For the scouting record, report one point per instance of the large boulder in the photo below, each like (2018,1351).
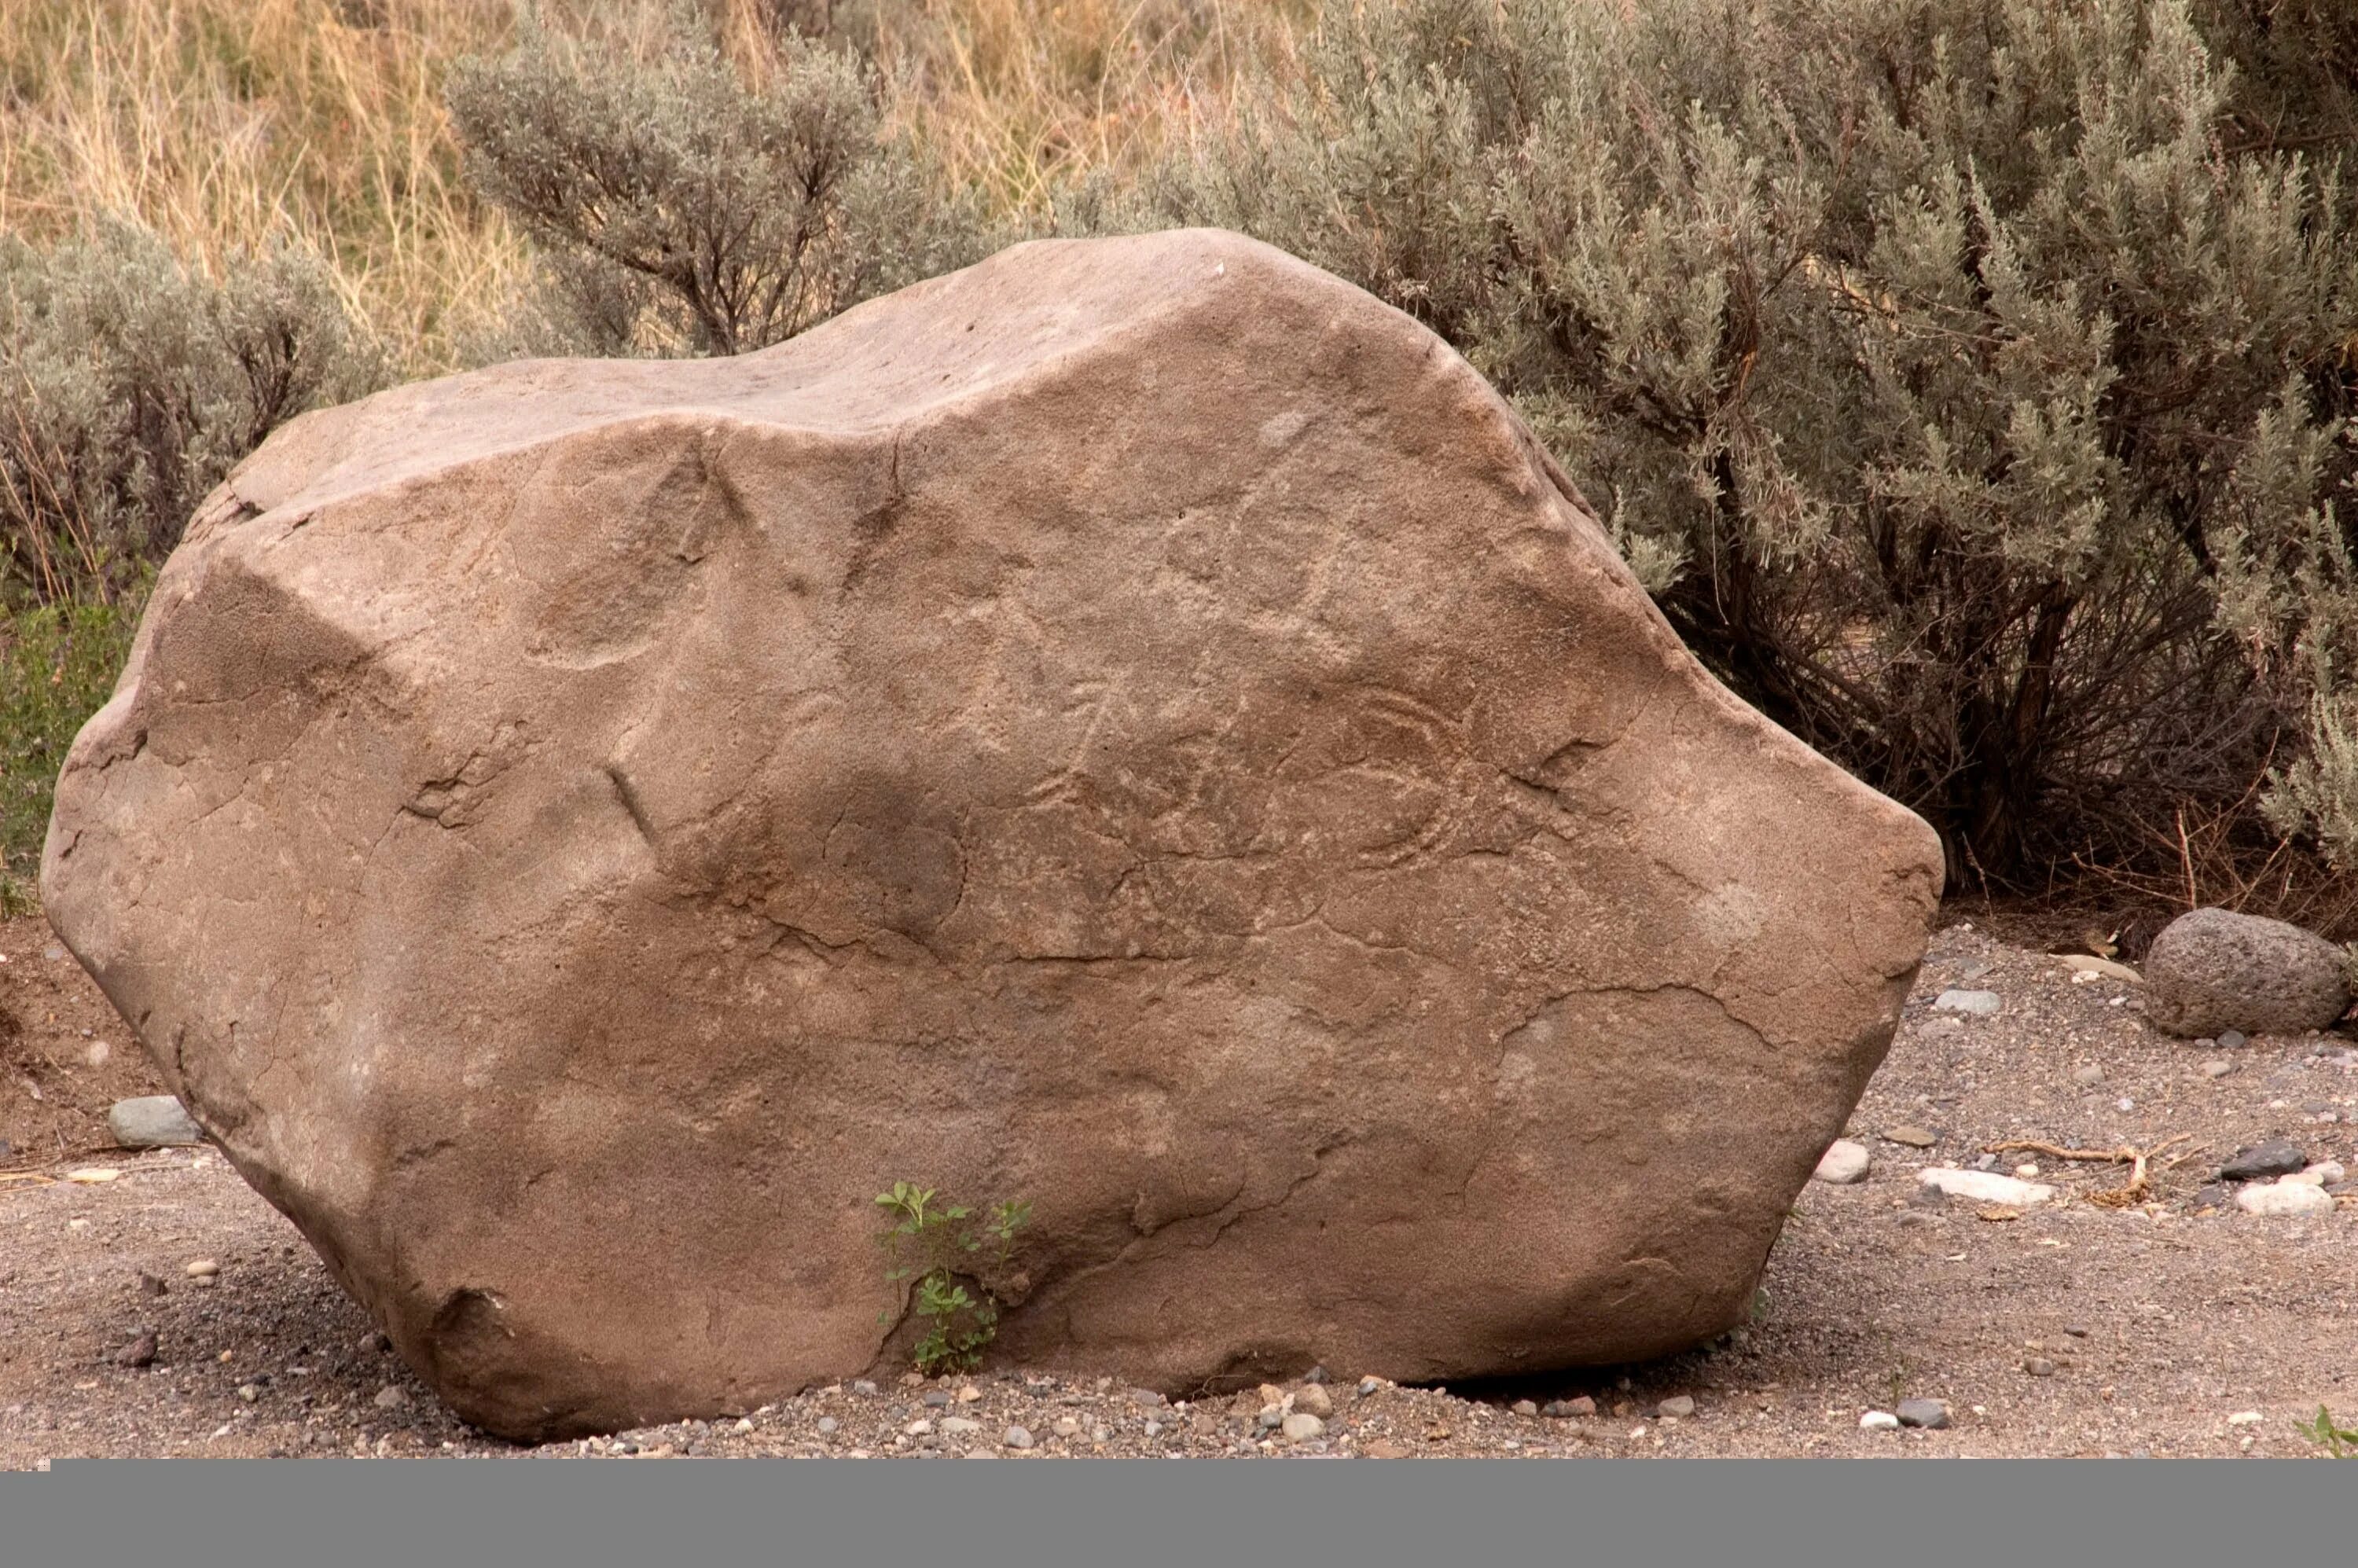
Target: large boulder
(2212,970)
(1134,726)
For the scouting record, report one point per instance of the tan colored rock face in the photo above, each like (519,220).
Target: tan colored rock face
(1131,726)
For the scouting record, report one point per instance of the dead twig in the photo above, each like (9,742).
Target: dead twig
(2139,1162)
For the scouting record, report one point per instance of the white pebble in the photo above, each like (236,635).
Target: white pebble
(1984,1187)
(1843,1164)
(2285,1197)
(1879,1420)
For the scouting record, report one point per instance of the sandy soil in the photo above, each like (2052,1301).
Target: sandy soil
(2163,1323)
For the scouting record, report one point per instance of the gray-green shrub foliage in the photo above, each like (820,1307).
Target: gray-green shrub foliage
(130,384)
(683,208)
(1968,400)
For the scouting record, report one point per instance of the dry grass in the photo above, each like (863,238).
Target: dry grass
(1015,95)
(221,124)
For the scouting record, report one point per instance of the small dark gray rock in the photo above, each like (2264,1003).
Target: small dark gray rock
(2277,1158)
(140,1352)
(2213,971)
(1923,1194)
(1933,1415)
(2229,1039)
(936,1399)
(2212,1195)
(1564,1409)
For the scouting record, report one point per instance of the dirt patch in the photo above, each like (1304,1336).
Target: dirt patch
(2067,1329)
(65,1054)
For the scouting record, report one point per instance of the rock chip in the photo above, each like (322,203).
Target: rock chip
(2280,1157)
(1981,1005)
(1843,1164)
(1567,1409)
(1933,1415)
(2090,1075)
(1525,1407)
(1023,693)
(1678,1407)
(1016,1437)
(2213,970)
(2084,964)
(2286,1195)
(1314,1399)
(140,1352)
(1911,1136)
(958,1425)
(152,1121)
(1986,1186)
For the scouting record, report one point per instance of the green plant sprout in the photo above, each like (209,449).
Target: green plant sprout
(927,1237)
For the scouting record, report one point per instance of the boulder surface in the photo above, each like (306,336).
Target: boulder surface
(2212,970)
(1134,727)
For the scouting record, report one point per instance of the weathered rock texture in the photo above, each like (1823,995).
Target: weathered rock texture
(1134,726)
(2214,969)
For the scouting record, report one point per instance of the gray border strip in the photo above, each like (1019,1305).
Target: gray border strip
(1295,1513)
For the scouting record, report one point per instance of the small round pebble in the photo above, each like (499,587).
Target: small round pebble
(1302,1427)
(1879,1420)
(1679,1407)
(827,1424)
(1016,1437)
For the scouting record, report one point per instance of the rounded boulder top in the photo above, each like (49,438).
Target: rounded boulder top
(1135,727)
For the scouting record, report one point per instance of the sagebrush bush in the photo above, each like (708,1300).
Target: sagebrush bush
(131,383)
(58,662)
(684,209)
(1970,400)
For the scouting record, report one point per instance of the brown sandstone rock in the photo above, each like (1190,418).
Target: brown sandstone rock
(1133,726)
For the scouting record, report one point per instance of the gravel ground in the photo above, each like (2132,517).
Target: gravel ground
(2176,1326)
